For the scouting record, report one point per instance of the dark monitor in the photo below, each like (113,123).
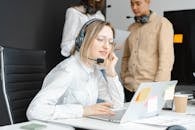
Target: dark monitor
(183,23)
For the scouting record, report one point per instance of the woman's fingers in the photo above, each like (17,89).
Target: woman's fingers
(107,104)
(105,108)
(98,109)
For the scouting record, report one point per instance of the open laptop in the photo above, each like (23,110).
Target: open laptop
(148,101)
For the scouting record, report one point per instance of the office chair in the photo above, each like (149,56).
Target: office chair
(22,74)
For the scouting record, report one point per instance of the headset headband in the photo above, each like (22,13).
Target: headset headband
(80,38)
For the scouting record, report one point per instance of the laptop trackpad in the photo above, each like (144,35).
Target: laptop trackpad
(112,118)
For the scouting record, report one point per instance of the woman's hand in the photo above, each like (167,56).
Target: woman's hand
(98,109)
(110,64)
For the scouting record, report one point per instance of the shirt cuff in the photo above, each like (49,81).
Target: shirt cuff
(115,78)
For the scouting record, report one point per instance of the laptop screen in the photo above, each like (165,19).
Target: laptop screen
(148,100)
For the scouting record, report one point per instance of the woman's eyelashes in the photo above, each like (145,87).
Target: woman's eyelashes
(104,40)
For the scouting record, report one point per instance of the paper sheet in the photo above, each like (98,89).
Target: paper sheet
(168,120)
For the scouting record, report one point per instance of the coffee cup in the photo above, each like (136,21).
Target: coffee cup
(180,103)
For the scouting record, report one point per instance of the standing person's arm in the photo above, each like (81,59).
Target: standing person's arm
(166,51)
(70,31)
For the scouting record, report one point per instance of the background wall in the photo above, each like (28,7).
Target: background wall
(160,6)
(183,23)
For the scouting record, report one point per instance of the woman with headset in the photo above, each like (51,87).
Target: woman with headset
(73,87)
(76,16)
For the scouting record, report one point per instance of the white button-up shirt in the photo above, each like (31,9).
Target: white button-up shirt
(74,22)
(69,87)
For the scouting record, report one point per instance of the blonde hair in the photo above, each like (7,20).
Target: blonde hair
(91,32)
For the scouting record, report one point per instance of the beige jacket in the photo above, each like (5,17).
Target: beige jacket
(148,52)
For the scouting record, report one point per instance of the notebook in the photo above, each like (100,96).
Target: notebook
(148,101)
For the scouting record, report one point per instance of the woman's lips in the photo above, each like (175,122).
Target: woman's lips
(103,53)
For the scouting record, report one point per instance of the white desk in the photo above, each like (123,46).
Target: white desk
(88,123)
(49,126)
(94,124)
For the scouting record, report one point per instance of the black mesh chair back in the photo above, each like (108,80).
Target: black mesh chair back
(22,74)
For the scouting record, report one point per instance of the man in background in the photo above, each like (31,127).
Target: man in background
(148,53)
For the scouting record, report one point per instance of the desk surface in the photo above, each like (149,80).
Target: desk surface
(186,119)
(48,126)
(88,123)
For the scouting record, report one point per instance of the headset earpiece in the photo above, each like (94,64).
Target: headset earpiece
(79,39)
(142,19)
(81,36)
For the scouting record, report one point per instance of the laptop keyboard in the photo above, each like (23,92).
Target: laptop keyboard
(113,118)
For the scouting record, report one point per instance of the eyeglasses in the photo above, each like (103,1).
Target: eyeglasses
(104,40)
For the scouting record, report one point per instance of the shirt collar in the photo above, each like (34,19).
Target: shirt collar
(152,16)
(87,69)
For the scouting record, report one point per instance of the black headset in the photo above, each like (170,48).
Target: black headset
(81,36)
(142,19)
